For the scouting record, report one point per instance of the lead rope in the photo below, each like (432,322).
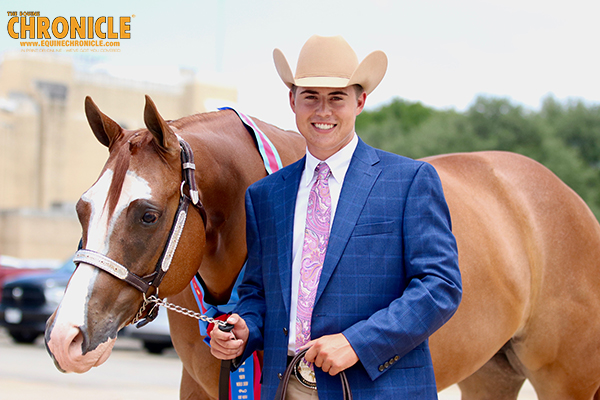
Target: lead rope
(174,307)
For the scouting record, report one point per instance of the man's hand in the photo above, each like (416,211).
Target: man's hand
(229,345)
(331,353)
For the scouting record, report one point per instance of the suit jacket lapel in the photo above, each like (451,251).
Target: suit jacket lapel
(284,200)
(360,178)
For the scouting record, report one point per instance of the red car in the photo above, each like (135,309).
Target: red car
(12,267)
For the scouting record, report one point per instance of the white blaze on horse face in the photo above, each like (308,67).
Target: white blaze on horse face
(72,311)
(99,227)
(99,232)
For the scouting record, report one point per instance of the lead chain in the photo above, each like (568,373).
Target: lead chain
(180,310)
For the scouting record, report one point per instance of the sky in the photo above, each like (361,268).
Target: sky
(441,53)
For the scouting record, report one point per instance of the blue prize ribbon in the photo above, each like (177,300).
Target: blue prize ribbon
(242,381)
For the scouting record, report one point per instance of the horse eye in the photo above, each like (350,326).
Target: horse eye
(150,218)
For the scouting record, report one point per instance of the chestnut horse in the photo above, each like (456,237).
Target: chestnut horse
(528,247)
(127,214)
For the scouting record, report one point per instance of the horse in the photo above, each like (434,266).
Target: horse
(521,233)
(126,216)
(529,249)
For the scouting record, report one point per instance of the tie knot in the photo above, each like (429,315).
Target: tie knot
(322,170)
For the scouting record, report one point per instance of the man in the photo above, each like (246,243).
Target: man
(353,257)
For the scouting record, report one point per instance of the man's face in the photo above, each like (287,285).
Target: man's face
(326,116)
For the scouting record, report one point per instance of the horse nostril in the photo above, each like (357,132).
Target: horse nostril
(81,342)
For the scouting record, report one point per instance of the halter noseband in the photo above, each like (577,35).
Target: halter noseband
(121,272)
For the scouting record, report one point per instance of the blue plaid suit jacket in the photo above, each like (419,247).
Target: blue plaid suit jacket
(390,276)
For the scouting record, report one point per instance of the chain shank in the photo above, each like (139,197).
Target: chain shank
(177,309)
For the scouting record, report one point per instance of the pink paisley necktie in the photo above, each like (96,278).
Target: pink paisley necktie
(316,237)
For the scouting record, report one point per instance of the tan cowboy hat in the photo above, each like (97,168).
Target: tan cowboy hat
(331,62)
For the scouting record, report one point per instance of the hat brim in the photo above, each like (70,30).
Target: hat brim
(368,74)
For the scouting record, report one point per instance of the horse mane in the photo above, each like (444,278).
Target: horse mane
(193,119)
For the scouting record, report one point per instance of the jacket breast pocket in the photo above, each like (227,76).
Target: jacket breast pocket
(377,228)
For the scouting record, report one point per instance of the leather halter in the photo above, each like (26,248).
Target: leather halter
(143,284)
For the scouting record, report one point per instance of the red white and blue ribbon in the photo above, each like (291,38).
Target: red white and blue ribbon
(244,383)
(212,311)
(267,150)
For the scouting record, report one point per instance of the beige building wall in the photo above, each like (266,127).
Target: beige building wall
(49,155)
(30,233)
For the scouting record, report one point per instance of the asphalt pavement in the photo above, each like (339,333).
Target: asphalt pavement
(28,373)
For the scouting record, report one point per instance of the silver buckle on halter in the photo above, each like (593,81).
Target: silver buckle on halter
(305,374)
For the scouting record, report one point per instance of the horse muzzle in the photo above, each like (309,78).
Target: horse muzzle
(69,347)
(72,344)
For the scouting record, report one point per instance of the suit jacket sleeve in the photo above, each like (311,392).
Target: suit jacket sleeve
(433,289)
(252,305)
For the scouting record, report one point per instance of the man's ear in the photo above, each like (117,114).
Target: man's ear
(292,101)
(361,101)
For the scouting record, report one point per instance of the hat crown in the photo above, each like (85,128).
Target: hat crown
(326,57)
(331,62)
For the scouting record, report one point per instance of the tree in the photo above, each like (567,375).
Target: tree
(563,137)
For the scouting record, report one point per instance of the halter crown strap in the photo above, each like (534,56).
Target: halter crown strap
(189,168)
(187,163)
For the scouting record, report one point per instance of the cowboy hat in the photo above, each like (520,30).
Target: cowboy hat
(331,62)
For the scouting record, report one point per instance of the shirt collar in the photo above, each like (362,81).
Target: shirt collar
(338,163)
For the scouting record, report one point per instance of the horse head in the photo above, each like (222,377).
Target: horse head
(127,218)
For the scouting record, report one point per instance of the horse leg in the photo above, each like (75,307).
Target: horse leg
(553,383)
(201,370)
(190,389)
(497,380)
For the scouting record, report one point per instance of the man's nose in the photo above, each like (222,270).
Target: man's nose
(323,108)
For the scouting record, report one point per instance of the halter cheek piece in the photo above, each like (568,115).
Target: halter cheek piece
(144,283)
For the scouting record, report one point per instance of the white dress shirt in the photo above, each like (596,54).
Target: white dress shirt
(338,164)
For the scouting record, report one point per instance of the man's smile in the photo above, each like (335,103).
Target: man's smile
(323,126)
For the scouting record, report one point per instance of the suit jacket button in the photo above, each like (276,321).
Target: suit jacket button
(387,364)
(381,368)
(285,331)
(396,358)
(280,376)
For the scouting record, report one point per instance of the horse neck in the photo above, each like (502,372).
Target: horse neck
(227,162)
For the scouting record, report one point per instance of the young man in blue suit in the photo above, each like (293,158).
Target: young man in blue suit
(350,249)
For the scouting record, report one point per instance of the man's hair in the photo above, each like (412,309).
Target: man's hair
(358,89)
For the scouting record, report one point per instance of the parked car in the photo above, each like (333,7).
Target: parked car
(12,267)
(28,301)
(154,335)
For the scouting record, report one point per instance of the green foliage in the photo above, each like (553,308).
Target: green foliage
(563,137)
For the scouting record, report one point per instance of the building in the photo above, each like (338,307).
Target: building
(48,154)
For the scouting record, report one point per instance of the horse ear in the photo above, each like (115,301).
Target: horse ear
(163,134)
(105,129)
